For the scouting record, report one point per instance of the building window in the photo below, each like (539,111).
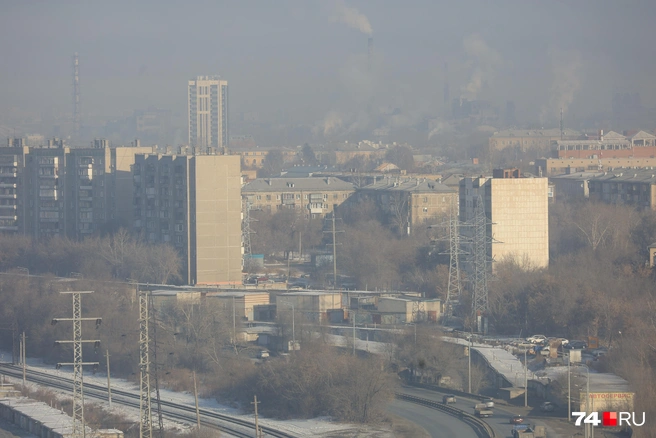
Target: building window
(335,196)
(425,209)
(425,199)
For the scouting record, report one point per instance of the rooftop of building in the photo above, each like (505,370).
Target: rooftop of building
(236,294)
(297,184)
(628,176)
(553,132)
(414,185)
(577,176)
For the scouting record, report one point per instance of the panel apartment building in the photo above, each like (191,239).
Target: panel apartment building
(312,197)
(57,191)
(207,98)
(517,214)
(192,202)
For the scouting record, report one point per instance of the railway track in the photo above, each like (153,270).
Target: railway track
(175,411)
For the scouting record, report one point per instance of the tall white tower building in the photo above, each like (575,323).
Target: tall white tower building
(208,113)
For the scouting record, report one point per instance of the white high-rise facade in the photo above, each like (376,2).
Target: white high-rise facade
(208,113)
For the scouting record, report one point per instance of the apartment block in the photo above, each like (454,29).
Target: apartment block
(65,192)
(410,202)
(625,186)
(208,113)
(312,197)
(192,202)
(517,214)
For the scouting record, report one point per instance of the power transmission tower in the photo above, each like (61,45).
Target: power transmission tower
(454,287)
(79,428)
(334,244)
(155,371)
(418,311)
(481,263)
(146,419)
(246,232)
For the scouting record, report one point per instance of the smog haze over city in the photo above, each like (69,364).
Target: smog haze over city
(298,63)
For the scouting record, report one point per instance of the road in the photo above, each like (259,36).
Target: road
(500,422)
(438,424)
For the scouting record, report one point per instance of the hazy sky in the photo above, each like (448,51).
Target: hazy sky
(305,61)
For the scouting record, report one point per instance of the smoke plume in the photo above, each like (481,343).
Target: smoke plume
(351,17)
(566,66)
(483,61)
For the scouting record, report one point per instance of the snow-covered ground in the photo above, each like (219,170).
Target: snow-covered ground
(301,428)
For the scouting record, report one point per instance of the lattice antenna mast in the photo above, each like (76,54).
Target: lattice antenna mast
(76,95)
(79,428)
(145,414)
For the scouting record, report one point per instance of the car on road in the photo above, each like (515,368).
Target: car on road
(548,407)
(516,419)
(536,339)
(488,402)
(449,398)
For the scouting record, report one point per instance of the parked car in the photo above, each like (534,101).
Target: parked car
(516,419)
(488,402)
(548,407)
(449,398)
(263,354)
(535,339)
(576,345)
(601,351)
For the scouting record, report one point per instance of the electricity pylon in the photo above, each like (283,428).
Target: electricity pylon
(145,414)
(79,428)
(454,286)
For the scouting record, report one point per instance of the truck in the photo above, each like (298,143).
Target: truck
(528,431)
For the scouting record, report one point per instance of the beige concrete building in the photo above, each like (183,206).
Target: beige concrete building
(410,202)
(312,304)
(254,158)
(193,203)
(61,191)
(207,98)
(411,309)
(312,197)
(529,138)
(243,304)
(558,166)
(517,211)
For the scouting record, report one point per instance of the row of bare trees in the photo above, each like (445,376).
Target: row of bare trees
(120,256)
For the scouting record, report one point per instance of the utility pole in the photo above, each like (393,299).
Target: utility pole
(569,388)
(109,385)
(196,397)
(23,358)
(79,427)
(234,322)
(525,379)
(257,427)
(469,357)
(353,333)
